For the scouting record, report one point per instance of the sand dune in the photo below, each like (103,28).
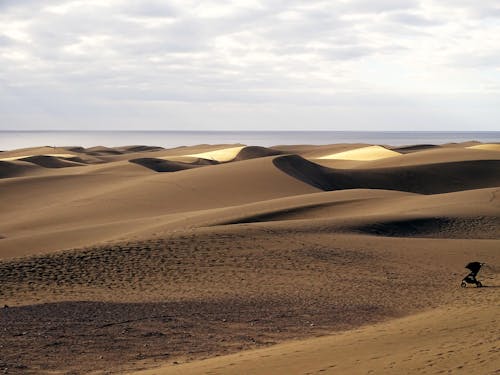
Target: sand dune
(20,157)
(364,153)
(316,151)
(423,157)
(161,165)
(436,227)
(139,148)
(433,156)
(44,150)
(253,152)
(221,155)
(469,214)
(48,161)
(86,200)
(178,163)
(240,258)
(413,148)
(413,345)
(486,146)
(425,179)
(16,169)
(101,150)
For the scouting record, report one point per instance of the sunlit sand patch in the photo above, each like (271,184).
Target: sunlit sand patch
(221,155)
(363,153)
(27,156)
(486,146)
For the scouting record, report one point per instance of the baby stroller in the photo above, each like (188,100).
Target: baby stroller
(474,268)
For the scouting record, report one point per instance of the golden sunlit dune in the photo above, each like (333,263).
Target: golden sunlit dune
(486,146)
(364,153)
(220,155)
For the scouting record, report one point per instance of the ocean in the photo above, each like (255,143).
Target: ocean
(10,140)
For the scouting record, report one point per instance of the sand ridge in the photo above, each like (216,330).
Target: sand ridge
(486,146)
(27,156)
(220,155)
(364,153)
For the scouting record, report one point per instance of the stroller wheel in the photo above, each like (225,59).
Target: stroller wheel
(464,284)
(479,284)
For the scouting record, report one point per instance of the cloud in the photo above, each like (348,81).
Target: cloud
(379,6)
(99,54)
(479,61)
(149,8)
(476,9)
(412,19)
(5,41)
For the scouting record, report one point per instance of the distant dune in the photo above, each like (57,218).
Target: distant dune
(52,161)
(413,148)
(363,153)
(233,259)
(161,165)
(424,179)
(253,152)
(220,155)
(16,168)
(487,146)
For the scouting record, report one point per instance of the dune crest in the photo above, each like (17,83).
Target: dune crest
(220,155)
(424,179)
(12,158)
(486,146)
(363,153)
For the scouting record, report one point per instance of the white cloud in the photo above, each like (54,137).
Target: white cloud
(96,57)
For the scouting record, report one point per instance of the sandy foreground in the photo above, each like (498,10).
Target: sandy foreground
(234,259)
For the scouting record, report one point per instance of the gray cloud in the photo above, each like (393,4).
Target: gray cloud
(5,41)
(69,59)
(481,61)
(149,8)
(379,6)
(475,9)
(412,19)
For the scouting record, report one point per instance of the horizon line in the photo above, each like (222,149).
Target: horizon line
(246,131)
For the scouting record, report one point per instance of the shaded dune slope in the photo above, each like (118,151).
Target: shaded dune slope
(165,165)
(51,161)
(162,165)
(436,227)
(107,151)
(139,148)
(252,152)
(413,148)
(423,179)
(468,214)
(16,169)
(102,151)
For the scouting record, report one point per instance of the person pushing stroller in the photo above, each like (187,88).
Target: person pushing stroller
(474,268)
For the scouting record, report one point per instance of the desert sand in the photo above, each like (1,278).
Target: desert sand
(362,153)
(235,259)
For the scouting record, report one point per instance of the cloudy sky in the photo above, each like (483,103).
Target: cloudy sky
(250,64)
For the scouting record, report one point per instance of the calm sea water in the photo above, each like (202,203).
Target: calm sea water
(10,140)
